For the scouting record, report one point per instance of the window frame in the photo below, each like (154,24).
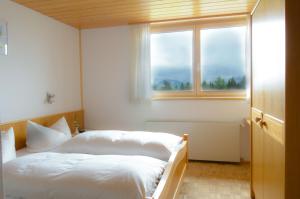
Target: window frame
(196,26)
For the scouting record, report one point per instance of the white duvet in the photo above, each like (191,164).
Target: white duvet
(51,175)
(109,142)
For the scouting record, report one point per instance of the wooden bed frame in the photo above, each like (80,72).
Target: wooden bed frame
(168,187)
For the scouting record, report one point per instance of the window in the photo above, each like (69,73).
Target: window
(223,58)
(199,60)
(172,61)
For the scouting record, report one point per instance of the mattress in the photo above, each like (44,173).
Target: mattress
(51,175)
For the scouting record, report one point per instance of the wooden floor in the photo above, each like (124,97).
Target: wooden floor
(204,180)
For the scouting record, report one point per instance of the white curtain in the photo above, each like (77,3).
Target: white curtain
(248,57)
(140,63)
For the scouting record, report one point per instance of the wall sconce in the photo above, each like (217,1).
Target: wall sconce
(49,98)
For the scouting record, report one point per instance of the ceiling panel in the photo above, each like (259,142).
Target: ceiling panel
(99,13)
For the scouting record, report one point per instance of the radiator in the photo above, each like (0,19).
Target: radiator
(210,141)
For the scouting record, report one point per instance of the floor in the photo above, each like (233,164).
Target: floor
(216,181)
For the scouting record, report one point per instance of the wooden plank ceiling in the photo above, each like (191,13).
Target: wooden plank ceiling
(100,13)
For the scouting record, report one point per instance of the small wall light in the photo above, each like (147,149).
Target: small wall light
(49,98)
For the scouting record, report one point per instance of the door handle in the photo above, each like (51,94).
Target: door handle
(263,124)
(258,119)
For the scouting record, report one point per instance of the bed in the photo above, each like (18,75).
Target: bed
(59,173)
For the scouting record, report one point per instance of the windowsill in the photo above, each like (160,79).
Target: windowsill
(156,98)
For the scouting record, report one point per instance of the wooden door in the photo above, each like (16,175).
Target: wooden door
(268,99)
(273,159)
(257,161)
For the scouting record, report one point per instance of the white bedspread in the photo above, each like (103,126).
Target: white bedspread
(51,175)
(112,142)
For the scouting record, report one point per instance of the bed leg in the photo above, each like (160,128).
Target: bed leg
(186,138)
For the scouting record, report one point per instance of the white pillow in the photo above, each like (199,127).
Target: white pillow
(62,126)
(156,145)
(8,145)
(40,138)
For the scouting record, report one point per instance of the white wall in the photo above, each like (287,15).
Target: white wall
(106,89)
(43,55)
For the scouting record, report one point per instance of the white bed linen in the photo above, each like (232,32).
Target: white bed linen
(8,145)
(112,142)
(51,175)
(40,138)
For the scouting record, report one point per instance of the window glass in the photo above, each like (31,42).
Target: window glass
(172,61)
(223,58)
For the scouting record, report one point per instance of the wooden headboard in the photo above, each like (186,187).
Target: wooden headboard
(21,126)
